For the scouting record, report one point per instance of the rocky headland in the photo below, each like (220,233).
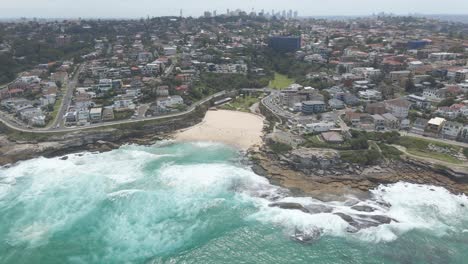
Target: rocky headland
(322,173)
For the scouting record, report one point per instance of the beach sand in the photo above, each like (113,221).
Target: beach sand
(239,129)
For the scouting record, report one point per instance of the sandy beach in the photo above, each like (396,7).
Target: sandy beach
(239,129)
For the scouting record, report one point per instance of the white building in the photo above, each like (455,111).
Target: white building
(398,107)
(319,127)
(170,101)
(370,95)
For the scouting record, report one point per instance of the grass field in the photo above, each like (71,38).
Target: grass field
(281,81)
(241,104)
(419,147)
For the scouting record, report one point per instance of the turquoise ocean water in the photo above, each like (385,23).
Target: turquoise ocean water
(196,203)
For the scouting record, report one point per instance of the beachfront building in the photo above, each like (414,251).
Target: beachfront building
(313,107)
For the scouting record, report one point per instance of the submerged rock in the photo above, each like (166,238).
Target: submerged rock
(64,158)
(290,206)
(364,221)
(307,236)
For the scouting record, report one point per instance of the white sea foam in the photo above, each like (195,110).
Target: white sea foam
(412,206)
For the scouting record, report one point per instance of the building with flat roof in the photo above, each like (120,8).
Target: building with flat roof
(313,107)
(284,43)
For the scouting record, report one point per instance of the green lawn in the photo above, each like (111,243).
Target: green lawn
(281,81)
(419,147)
(241,104)
(54,113)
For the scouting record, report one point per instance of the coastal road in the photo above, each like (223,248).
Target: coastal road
(98,125)
(67,97)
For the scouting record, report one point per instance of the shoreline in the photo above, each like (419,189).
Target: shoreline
(238,129)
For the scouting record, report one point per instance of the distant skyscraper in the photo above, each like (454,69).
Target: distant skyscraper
(214,13)
(181,13)
(228,12)
(295,14)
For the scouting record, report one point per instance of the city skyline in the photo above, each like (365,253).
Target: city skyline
(143,8)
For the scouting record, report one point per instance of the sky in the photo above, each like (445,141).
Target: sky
(143,8)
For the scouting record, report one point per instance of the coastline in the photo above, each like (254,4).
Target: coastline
(244,131)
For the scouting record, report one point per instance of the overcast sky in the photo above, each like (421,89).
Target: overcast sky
(142,8)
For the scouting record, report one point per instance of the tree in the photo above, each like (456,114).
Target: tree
(446,102)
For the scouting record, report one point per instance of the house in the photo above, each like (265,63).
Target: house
(405,124)
(451,130)
(162,90)
(434,94)
(419,101)
(434,126)
(290,97)
(48,99)
(463,136)
(71,117)
(398,107)
(379,122)
(170,101)
(336,104)
(348,98)
(370,95)
(82,117)
(447,112)
(319,127)
(107,114)
(354,118)
(397,76)
(123,103)
(33,116)
(419,126)
(95,114)
(391,122)
(170,51)
(376,108)
(311,107)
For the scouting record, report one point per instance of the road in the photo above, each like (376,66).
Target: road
(98,125)
(67,97)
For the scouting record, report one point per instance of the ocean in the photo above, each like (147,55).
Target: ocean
(198,203)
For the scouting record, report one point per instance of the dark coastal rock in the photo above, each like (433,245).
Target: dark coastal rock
(363,208)
(64,158)
(290,206)
(259,170)
(345,217)
(351,202)
(318,209)
(384,204)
